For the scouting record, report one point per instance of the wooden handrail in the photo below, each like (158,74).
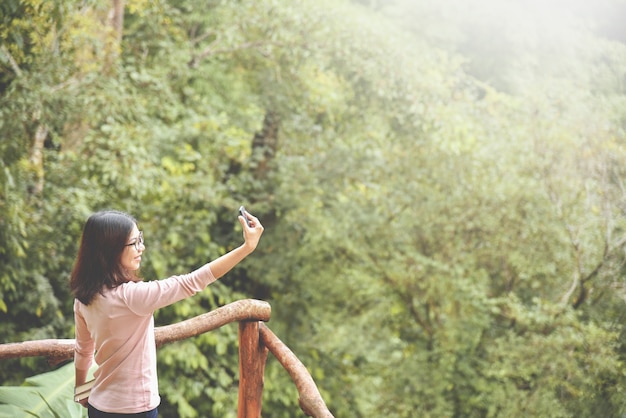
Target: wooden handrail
(255,341)
(60,350)
(241,310)
(57,351)
(310,401)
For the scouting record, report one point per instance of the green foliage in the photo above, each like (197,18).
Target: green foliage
(46,395)
(443,206)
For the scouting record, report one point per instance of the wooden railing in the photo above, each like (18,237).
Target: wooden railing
(255,341)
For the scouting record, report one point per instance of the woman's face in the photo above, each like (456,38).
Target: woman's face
(131,256)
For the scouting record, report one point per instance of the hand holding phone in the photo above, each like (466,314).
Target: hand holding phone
(242,212)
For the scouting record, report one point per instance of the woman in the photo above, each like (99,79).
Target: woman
(114,309)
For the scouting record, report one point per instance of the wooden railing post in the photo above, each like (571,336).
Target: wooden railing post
(252,359)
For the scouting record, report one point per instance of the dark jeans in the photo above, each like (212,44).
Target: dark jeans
(94,413)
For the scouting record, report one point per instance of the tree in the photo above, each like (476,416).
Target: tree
(444,236)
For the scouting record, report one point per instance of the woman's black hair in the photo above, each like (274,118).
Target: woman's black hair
(98,261)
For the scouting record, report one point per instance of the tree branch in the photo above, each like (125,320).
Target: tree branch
(210,50)
(407,298)
(578,271)
(565,298)
(204,36)
(16,68)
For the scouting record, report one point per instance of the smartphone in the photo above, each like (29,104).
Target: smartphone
(242,212)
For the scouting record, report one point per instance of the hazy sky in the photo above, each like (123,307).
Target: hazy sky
(606,17)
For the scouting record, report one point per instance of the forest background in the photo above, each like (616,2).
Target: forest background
(442,186)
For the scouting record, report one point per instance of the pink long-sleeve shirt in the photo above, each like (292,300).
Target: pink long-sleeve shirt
(118,326)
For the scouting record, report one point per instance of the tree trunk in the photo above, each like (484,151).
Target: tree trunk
(116,18)
(36,158)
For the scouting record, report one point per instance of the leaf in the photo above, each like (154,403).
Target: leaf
(44,396)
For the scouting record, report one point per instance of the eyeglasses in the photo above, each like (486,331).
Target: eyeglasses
(138,241)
